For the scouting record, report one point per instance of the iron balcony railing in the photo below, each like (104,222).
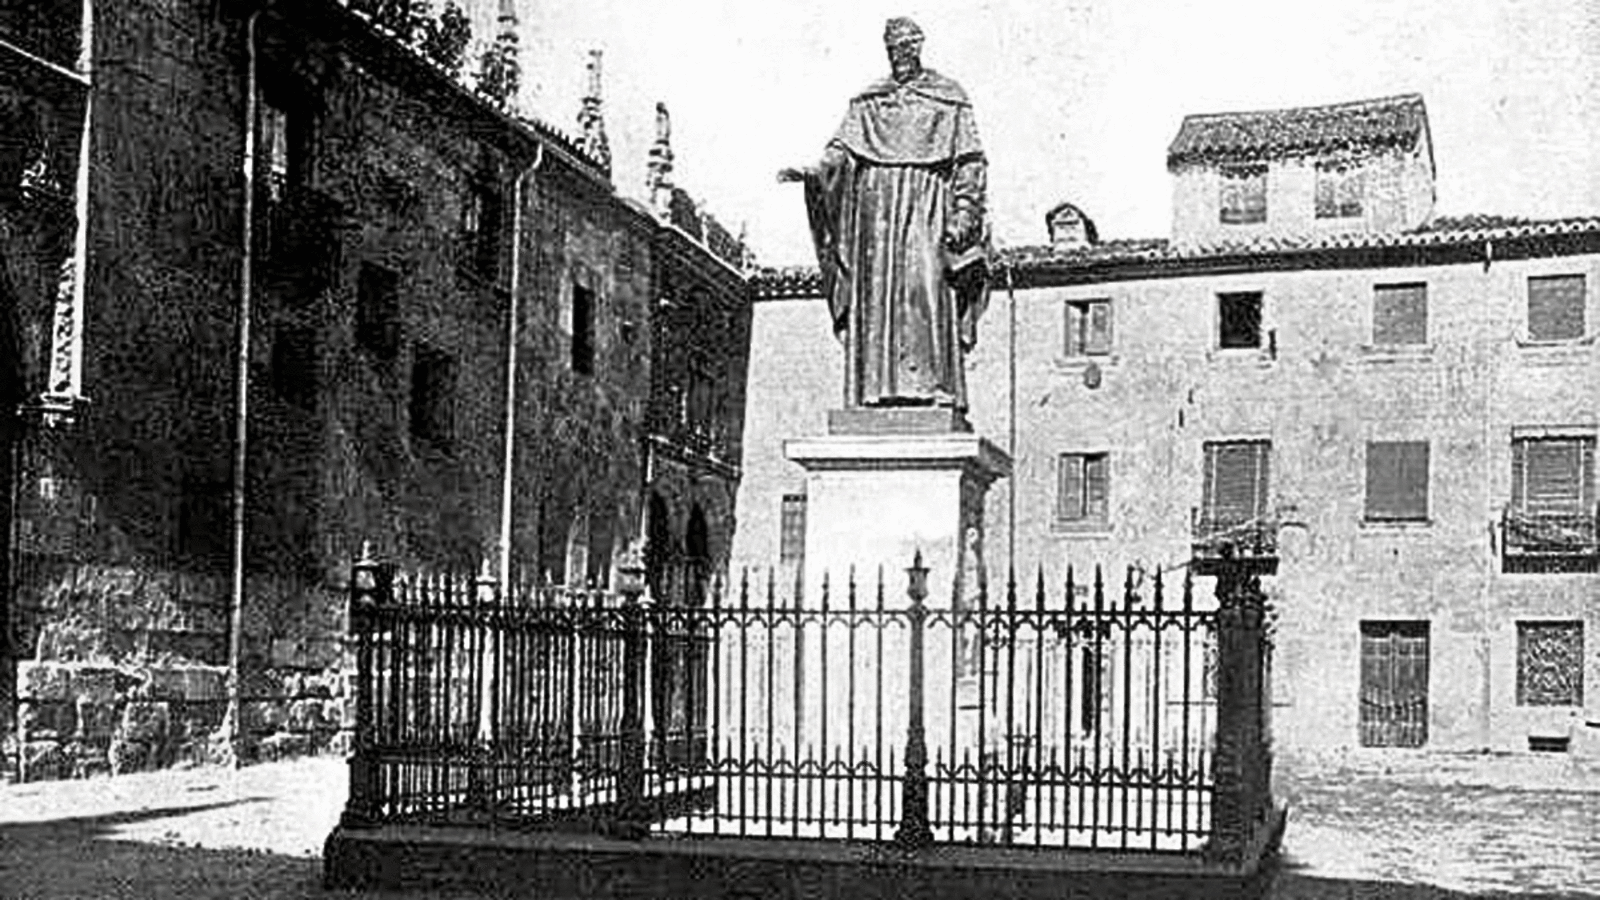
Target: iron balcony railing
(1215,538)
(1566,533)
(856,713)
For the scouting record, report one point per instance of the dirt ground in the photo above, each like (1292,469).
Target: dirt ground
(1425,826)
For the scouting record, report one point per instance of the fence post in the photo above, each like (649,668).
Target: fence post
(371,587)
(1242,763)
(631,818)
(914,831)
(482,776)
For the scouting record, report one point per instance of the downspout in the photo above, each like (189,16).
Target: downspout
(1011,418)
(507,473)
(242,393)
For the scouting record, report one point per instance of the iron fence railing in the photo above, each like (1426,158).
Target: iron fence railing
(1075,717)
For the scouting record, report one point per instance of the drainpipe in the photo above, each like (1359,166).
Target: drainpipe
(241,424)
(507,474)
(1011,418)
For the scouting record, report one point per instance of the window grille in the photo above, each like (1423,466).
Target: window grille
(792,529)
(1549,663)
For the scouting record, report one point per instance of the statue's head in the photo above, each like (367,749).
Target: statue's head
(903,40)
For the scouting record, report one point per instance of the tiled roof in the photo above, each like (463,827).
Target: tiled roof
(1359,126)
(1479,233)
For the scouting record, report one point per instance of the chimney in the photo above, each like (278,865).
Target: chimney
(1070,229)
(658,170)
(591,120)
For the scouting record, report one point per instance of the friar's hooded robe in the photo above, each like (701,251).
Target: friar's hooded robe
(905,300)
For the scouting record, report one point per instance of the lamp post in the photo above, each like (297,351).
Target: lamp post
(914,831)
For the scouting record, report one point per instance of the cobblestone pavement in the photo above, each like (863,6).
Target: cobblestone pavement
(1391,825)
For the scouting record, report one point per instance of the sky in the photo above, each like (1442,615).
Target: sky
(1075,99)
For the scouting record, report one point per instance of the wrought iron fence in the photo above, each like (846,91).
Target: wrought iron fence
(1076,716)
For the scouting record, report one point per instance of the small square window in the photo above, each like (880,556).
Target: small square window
(1088,327)
(1556,307)
(1339,190)
(1084,488)
(1400,314)
(1397,481)
(1549,663)
(1239,320)
(1243,198)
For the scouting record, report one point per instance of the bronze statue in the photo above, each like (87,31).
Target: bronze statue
(897,215)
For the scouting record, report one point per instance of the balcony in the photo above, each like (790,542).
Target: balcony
(1216,538)
(1549,541)
(297,236)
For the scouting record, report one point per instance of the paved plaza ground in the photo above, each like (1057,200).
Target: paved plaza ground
(1361,825)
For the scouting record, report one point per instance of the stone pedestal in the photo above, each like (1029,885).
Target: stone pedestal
(882,486)
(876,496)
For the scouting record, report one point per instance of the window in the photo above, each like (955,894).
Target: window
(1244,194)
(1552,477)
(1239,320)
(1339,188)
(378,310)
(1393,695)
(1549,663)
(1399,314)
(792,529)
(480,230)
(1236,483)
(582,330)
(1088,327)
(294,365)
(282,141)
(1397,481)
(433,384)
(1083,488)
(1555,307)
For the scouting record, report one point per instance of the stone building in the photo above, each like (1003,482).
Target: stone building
(388,231)
(1390,413)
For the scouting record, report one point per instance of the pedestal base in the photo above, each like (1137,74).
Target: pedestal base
(875,500)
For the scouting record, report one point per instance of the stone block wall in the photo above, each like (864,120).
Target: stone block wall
(126,669)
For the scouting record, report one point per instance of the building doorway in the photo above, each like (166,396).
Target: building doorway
(1394,683)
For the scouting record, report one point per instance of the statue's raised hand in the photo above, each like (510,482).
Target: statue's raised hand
(788,175)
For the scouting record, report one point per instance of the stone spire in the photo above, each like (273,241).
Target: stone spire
(658,170)
(591,120)
(500,68)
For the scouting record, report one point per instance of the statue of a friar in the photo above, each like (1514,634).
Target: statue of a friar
(897,215)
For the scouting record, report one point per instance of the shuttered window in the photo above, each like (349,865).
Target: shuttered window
(1084,489)
(1552,476)
(1556,307)
(1400,314)
(1243,197)
(1088,327)
(1397,481)
(1338,191)
(1236,481)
